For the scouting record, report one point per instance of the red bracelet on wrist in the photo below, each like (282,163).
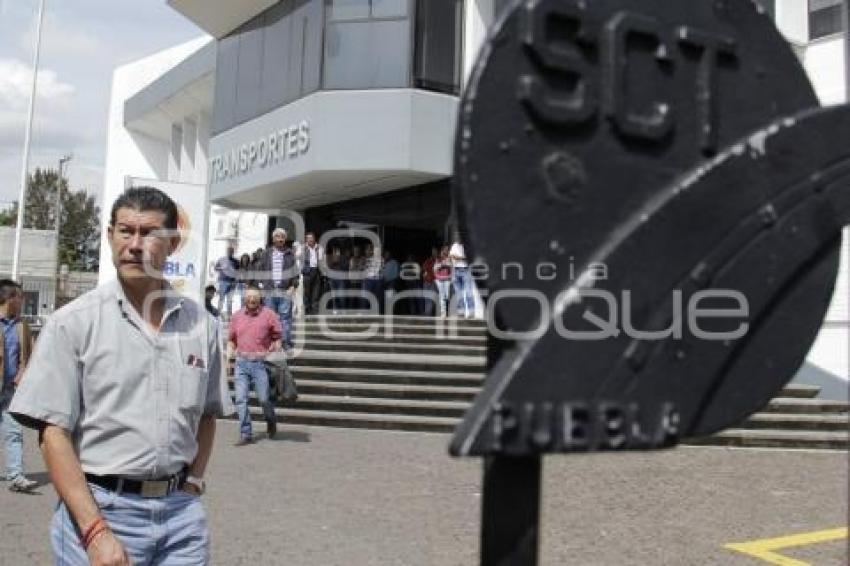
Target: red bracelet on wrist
(103,528)
(94,529)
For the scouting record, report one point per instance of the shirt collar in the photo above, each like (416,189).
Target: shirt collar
(252,313)
(173,300)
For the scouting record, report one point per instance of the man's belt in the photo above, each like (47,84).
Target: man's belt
(251,356)
(145,488)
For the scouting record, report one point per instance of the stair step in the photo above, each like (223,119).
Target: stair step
(360,420)
(381,390)
(308,358)
(787,421)
(393,347)
(395,338)
(382,376)
(383,406)
(366,405)
(396,319)
(769,438)
(385,330)
(802,405)
(800,391)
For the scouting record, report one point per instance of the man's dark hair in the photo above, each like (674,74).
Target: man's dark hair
(144,199)
(8,288)
(209,288)
(252,287)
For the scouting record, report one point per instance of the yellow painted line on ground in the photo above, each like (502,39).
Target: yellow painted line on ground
(765,548)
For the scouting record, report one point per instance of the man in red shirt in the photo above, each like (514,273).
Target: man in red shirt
(254,333)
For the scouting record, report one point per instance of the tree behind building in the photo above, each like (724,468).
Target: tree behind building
(79,232)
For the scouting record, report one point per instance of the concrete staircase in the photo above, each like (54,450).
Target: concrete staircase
(421,374)
(795,419)
(398,373)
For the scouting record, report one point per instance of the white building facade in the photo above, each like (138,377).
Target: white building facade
(323,114)
(159,133)
(37,271)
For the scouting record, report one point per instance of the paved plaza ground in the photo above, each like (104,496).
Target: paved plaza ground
(326,497)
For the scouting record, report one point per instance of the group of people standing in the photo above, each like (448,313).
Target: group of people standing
(358,279)
(264,324)
(448,271)
(276,272)
(429,285)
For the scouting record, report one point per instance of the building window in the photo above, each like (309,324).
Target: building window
(825,18)
(439,43)
(349,9)
(367,44)
(339,10)
(299,46)
(271,60)
(30,303)
(769,7)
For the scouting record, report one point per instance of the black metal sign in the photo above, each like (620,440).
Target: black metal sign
(658,201)
(621,166)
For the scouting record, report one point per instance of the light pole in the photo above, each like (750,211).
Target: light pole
(22,200)
(62,163)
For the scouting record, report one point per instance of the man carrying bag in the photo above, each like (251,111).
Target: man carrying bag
(283,383)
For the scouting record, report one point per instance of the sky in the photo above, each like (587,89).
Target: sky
(83,41)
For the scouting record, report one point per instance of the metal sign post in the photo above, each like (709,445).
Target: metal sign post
(663,176)
(510,516)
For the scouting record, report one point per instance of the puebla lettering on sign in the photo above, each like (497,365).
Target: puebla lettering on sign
(176,269)
(286,143)
(558,426)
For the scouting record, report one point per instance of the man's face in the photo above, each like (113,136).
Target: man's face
(140,243)
(230,251)
(252,300)
(209,294)
(311,240)
(13,303)
(279,240)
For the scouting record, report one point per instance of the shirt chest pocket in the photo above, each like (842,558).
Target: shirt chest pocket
(193,389)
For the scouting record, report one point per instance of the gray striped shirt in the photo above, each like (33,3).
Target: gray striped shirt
(277,266)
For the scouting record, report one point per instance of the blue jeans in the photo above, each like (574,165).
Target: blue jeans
(169,530)
(444,289)
(251,372)
(281,303)
(462,282)
(13,439)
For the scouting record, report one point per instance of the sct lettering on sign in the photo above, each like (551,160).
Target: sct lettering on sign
(278,146)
